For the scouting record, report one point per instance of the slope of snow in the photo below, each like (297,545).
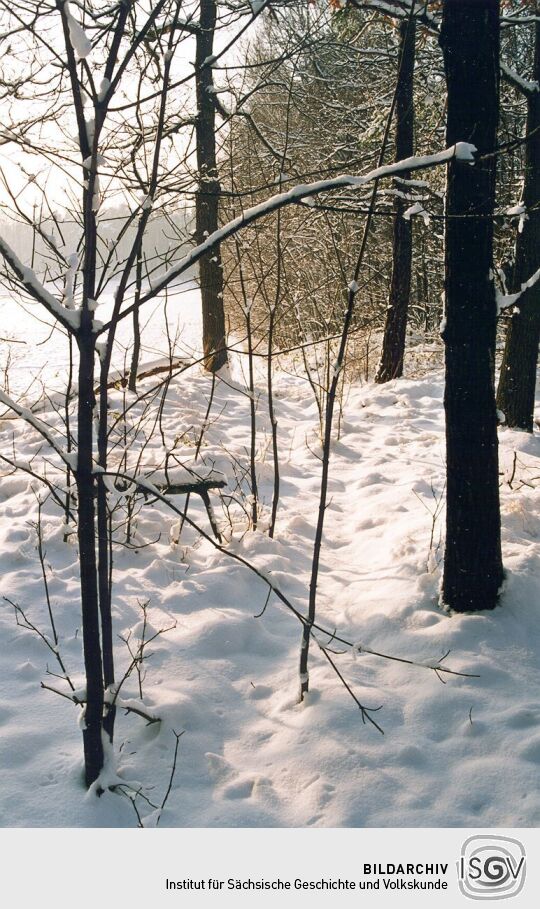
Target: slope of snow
(466,753)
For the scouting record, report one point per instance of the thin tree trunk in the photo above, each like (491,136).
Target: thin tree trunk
(473,569)
(134,367)
(393,349)
(252,424)
(105,566)
(93,716)
(207,196)
(517,383)
(273,418)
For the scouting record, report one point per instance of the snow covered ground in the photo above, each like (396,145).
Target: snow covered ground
(35,353)
(464,753)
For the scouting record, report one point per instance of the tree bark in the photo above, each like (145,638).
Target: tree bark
(517,382)
(207,195)
(473,570)
(93,716)
(393,348)
(134,367)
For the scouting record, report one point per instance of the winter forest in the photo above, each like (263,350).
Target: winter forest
(269,454)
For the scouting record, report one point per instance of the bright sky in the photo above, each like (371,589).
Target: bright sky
(29,175)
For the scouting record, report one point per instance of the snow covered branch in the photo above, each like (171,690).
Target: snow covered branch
(68,318)
(525,86)
(401,9)
(462,151)
(506,300)
(38,425)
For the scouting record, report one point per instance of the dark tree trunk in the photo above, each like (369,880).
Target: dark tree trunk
(393,349)
(207,196)
(473,569)
(104,583)
(134,367)
(517,383)
(93,718)
(136,353)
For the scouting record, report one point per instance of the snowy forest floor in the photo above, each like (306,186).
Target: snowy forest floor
(464,753)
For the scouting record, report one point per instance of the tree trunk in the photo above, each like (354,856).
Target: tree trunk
(134,367)
(473,569)
(93,716)
(207,196)
(517,383)
(393,349)
(104,558)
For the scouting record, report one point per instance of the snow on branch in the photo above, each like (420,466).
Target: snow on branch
(417,209)
(506,300)
(80,42)
(68,318)
(525,19)
(39,426)
(462,151)
(525,86)
(400,9)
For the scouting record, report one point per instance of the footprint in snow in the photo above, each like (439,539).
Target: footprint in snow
(368,523)
(410,756)
(524,718)
(218,766)
(242,789)
(27,670)
(372,478)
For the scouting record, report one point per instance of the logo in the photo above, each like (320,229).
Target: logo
(491,867)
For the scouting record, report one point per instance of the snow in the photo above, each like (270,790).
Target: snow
(462,754)
(518,211)
(186,473)
(417,209)
(90,130)
(96,196)
(527,86)
(90,161)
(42,429)
(465,151)
(44,354)
(505,300)
(28,277)
(104,87)
(461,151)
(73,264)
(81,43)
(416,184)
